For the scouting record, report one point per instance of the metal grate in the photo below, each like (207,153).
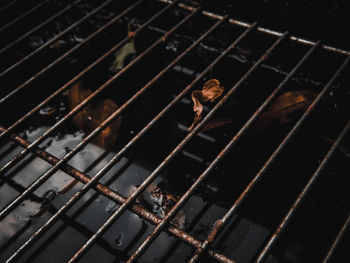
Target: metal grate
(253,52)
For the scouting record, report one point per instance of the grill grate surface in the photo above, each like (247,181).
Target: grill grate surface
(240,194)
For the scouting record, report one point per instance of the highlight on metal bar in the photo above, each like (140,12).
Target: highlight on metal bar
(78,76)
(114,115)
(8,5)
(155,172)
(27,13)
(302,195)
(40,26)
(147,242)
(81,105)
(246,126)
(150,178)
(40,180)
(265,30)
(114,196)
(47,43)
(160,220)
(87,139)
(337,240)
(220,223)
(52,64)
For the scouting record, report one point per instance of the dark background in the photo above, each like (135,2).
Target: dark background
(314,20)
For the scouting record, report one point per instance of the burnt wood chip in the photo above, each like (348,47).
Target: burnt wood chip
(210,92)
(283,108)
(91,116)
(279,113)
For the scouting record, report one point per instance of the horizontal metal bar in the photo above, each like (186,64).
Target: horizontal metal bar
(156,171)
(114,196)
(210,238)
(120,153)
(24,15)
(69,52)
(147,242)
(302,195)
(225,219)
(265,30)
(49,42)
(337,240)
(86,140)
(40,26)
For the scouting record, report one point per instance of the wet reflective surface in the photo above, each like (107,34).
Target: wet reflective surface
(258,217)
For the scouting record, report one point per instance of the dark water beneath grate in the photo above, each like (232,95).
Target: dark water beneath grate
(257,218)
(93,209)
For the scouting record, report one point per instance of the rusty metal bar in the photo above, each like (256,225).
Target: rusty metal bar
(337,240)
(114,196)
(265,30)
(24,15)
(86,140)
(40,26)
(160,221)
(69,52)
(217,228)
(147,242)
(77,77)
(115,159)
(8,5)
(156,171)
(97,130)
(86,101)
(252,119)
(302,195)
(173,153)
(65,31)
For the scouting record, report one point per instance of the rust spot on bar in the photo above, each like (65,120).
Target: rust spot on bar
(137,209)
(217,226)
(221,257)
(264,29)
(265,56)
(132,34)
(221,154)
(68,186)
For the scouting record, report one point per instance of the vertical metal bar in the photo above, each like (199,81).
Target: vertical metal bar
(220,223)
(156,171)
(114,196)
(22,154)
(147,242)
(337,240)
(40,26)
(65,31)
(110,164)
(24,15)
(302,195)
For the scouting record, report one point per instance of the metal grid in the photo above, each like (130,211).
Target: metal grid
(129,203)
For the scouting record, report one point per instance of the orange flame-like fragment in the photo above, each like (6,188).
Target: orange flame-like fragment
(210,92)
